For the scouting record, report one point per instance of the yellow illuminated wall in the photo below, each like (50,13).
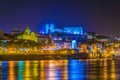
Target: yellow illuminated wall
(94,48)
(28,35)
(83,48)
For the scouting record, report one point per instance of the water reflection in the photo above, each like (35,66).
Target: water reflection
(60,70)
(35,70)
(4,71)
(20,70)
(42,70)
(11,70)
(27,71)
(76,70)
(51,73)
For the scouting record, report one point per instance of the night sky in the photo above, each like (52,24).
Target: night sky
(100,16)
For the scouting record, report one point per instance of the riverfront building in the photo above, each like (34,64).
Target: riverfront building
(28,35)
(50,28)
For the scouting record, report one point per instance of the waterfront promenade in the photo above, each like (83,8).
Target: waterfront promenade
(13,57)
(33,57)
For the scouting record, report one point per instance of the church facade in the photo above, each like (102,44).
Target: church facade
(28,35)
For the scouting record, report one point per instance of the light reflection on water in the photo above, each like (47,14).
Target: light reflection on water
(60,70)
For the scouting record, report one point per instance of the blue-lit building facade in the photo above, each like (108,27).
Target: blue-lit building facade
(64,38)
(67,37)
(50,28)
(73,37)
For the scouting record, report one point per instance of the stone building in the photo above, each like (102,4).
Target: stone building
(28,35)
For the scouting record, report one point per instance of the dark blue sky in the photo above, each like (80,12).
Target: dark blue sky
(101,16)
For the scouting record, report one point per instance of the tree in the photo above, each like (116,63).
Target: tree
(1,33)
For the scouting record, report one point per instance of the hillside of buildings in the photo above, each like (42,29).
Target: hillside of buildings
(69,40)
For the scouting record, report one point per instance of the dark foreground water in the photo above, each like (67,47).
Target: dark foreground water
(60,70)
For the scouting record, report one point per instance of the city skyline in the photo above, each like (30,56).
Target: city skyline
(59,39)
(99,16)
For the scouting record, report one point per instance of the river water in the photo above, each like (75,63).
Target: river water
(60,70)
